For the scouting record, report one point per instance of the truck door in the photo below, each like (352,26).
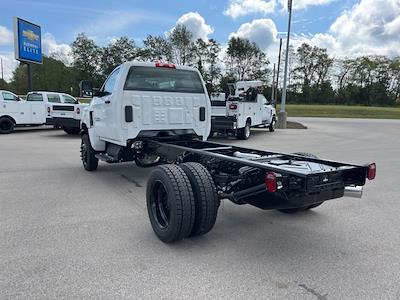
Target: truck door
(266,110)
(9,103)
(104,106)
(37,109)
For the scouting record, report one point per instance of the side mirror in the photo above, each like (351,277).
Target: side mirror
(18,98)
(86,89)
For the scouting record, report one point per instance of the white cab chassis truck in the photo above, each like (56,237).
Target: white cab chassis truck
(159,114)
(246,107)
(16,112)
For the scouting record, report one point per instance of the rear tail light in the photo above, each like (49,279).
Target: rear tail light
(165,65)
(371,171)
(232,106)
(270,182)
(48,109)
(78,110)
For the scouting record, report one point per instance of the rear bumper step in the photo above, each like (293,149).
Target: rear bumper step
(353,191)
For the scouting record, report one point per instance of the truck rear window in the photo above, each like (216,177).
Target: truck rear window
(163,80)
(34,97)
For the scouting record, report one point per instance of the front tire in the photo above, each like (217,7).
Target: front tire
(88,154)
(205,197)
(170,203)
(6,125)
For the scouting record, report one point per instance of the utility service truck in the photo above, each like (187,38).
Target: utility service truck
(14,112)
(158,114)
(244,107)
(40,108)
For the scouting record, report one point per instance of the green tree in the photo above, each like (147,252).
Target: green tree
(156,48)
(182,46)
(87,57)
(244,60)
(117,52)
(52,75)
(3,84)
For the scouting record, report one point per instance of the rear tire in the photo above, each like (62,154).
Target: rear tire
(205,196)
(6,125)
(170,203)
(72,131)
(298,209)
(244,133)
(88,154)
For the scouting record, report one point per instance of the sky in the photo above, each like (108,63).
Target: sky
(347,28)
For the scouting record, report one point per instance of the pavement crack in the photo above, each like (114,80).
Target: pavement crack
(314,292)
(137,184)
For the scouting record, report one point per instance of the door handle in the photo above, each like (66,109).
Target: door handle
(107,102)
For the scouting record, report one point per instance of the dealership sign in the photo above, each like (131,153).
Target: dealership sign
(27,41)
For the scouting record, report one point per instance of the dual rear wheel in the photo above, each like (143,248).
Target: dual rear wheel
(181,201)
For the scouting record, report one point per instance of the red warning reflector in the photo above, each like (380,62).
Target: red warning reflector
(270,182)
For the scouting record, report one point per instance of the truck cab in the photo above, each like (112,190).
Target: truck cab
(148,100)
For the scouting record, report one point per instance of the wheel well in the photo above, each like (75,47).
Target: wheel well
(10,118)
(84,129)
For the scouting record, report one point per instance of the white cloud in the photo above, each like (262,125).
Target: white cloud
(303,4)
(9,64)
(59,51)
(6,36)
(261,31)
(238,8)
(196,24)
(371,27)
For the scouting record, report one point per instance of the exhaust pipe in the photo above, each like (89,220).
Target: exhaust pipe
(353,191)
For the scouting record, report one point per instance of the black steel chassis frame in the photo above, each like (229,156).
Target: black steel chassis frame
(298,189)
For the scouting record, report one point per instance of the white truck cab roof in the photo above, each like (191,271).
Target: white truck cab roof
(53,97)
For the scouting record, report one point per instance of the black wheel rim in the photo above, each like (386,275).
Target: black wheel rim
(160,206)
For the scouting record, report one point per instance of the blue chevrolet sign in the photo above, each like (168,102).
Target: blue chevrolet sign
(28,41)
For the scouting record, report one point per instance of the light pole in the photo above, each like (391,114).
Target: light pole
(2,77)
(282,116)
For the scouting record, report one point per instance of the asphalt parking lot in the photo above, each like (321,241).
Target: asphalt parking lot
(67,233)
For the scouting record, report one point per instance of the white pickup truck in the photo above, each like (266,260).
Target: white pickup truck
(62,110)
(159,113)
(244,108)
(40,108)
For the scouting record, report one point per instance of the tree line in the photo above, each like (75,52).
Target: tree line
(314,75)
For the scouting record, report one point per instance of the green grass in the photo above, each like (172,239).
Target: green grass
(342,111)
